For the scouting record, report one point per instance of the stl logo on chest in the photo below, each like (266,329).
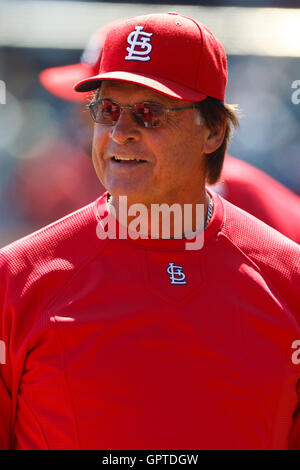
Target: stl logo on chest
(176,279)
(177,276)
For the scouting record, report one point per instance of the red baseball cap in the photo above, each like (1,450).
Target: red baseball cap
(60,80)
(167,52)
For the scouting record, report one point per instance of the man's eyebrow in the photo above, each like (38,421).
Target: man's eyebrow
(159,100)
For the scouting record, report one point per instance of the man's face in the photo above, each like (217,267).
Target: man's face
(173,169)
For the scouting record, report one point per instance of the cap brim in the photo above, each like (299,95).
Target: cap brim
(166,87)
(60,80)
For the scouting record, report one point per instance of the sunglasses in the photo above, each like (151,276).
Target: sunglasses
(146,114)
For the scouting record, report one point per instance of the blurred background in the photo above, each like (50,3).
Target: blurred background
(45,145)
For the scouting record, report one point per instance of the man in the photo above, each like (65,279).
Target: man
(51,162)
(261,195)
(137,342)
(60,80)
(240,182)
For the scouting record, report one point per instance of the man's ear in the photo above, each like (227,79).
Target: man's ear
(215,138)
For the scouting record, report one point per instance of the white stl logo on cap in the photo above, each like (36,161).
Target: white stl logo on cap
(144,43)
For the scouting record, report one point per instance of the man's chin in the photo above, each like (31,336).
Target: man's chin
(131,194)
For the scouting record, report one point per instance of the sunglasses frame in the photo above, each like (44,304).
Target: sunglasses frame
(135,115)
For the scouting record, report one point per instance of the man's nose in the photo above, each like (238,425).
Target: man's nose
(126,128)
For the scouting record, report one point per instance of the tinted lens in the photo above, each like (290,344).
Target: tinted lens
(147,114)
(151,114)
(110,111)
(105,111)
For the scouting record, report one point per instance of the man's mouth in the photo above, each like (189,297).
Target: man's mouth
(127,160)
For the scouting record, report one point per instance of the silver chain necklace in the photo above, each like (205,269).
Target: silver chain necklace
(208,216)
(209,210)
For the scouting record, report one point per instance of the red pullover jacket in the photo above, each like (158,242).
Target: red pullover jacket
(101,351)
(261,195)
